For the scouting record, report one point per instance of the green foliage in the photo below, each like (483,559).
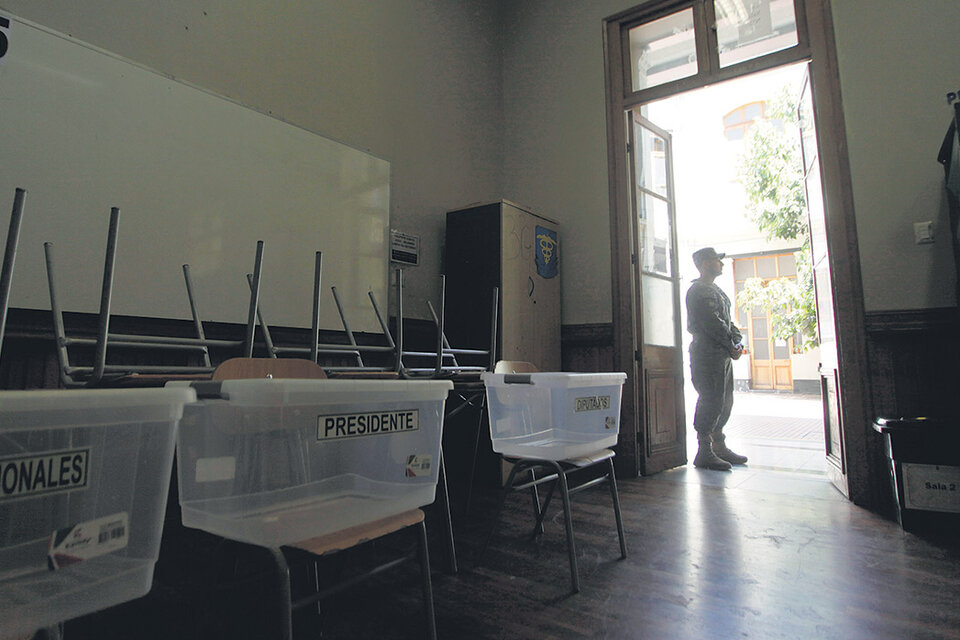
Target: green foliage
(771,171)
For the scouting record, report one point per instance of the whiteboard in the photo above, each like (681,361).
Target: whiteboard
(198,179)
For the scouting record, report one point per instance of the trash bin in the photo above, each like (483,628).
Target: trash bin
(924,465)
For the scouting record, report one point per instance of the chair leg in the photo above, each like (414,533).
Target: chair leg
(447,518)
(283,594)
(424,555)
(473,456)
(612,477)
(535,496)
(568,521)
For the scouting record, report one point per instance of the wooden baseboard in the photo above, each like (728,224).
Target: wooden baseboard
(912,320)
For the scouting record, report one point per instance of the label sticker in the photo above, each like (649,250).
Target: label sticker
(931,487)
(31,475)
(88,540)
(214,469)
(592,403)
(610,422)
(356,425)
(546,255)
(419,465)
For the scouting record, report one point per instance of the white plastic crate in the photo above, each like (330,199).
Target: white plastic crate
(84,477)
(275,461)
(553,416)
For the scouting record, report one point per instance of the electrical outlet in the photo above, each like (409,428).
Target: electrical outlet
(923,232)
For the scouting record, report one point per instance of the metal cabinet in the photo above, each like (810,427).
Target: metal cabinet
(501,244)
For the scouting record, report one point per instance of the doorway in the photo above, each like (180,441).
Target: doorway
(721,136)
(667,49)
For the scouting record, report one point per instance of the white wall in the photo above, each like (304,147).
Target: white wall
(898,60)
(420,83)
(416,82)
(555,137)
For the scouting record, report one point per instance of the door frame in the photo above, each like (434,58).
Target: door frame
(815,28)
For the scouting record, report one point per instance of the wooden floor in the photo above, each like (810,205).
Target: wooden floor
(746,554)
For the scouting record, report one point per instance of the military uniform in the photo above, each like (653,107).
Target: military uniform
(711,367)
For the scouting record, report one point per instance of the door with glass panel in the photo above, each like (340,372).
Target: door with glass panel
(658,353)
(823,289)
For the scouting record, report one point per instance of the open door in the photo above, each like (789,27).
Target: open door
(658,363)
(826,323)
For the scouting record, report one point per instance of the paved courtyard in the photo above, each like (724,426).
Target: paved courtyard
(782,431)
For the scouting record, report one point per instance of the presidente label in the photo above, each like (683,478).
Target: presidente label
(31,475)
(591,403)
(356,425)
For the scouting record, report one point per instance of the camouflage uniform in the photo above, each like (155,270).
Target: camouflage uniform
(714,337)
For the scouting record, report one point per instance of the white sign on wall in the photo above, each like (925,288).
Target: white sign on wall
(404,248)
(931,487)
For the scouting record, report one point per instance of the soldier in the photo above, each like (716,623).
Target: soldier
(716,343)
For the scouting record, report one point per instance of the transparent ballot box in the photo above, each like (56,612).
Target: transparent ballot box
(553,416)
(276,461)
(84,477)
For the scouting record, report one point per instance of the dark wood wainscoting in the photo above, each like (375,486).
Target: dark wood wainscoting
(914,369)
(586,348)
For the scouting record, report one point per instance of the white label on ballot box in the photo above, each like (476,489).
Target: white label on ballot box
(216,469)
(931,487)
(27,476)
(419,465)
(356,425)
(87,540)
(592,403)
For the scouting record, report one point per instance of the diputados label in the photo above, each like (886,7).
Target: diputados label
(31,475)
(592,403)
(356,425)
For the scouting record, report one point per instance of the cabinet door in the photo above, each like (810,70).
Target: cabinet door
(531,289)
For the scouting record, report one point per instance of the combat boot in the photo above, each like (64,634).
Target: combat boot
(723,452)
(706,458)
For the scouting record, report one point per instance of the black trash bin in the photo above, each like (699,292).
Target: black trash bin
(924,466)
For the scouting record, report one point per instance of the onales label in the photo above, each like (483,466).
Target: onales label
(39,473)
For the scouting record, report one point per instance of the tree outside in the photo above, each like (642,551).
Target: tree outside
(771,172)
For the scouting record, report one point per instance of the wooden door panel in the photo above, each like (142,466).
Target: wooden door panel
(783,376)
(665,438)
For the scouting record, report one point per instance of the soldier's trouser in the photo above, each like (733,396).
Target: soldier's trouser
(712,375)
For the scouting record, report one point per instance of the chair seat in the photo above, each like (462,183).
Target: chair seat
(579,462)
(352,536)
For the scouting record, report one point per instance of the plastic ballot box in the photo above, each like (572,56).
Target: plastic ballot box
(84,477)
(275,461)
(553,416)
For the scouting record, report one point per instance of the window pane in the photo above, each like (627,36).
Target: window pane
(753,111)
(780,349)
(651,160)
(735,134)
(767,267)
(760,329)
(658,323)
(663,50)
(761,349)
(733,118)
(653,224)
(808,128)
(787,264)
(743,269)
(748,29)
